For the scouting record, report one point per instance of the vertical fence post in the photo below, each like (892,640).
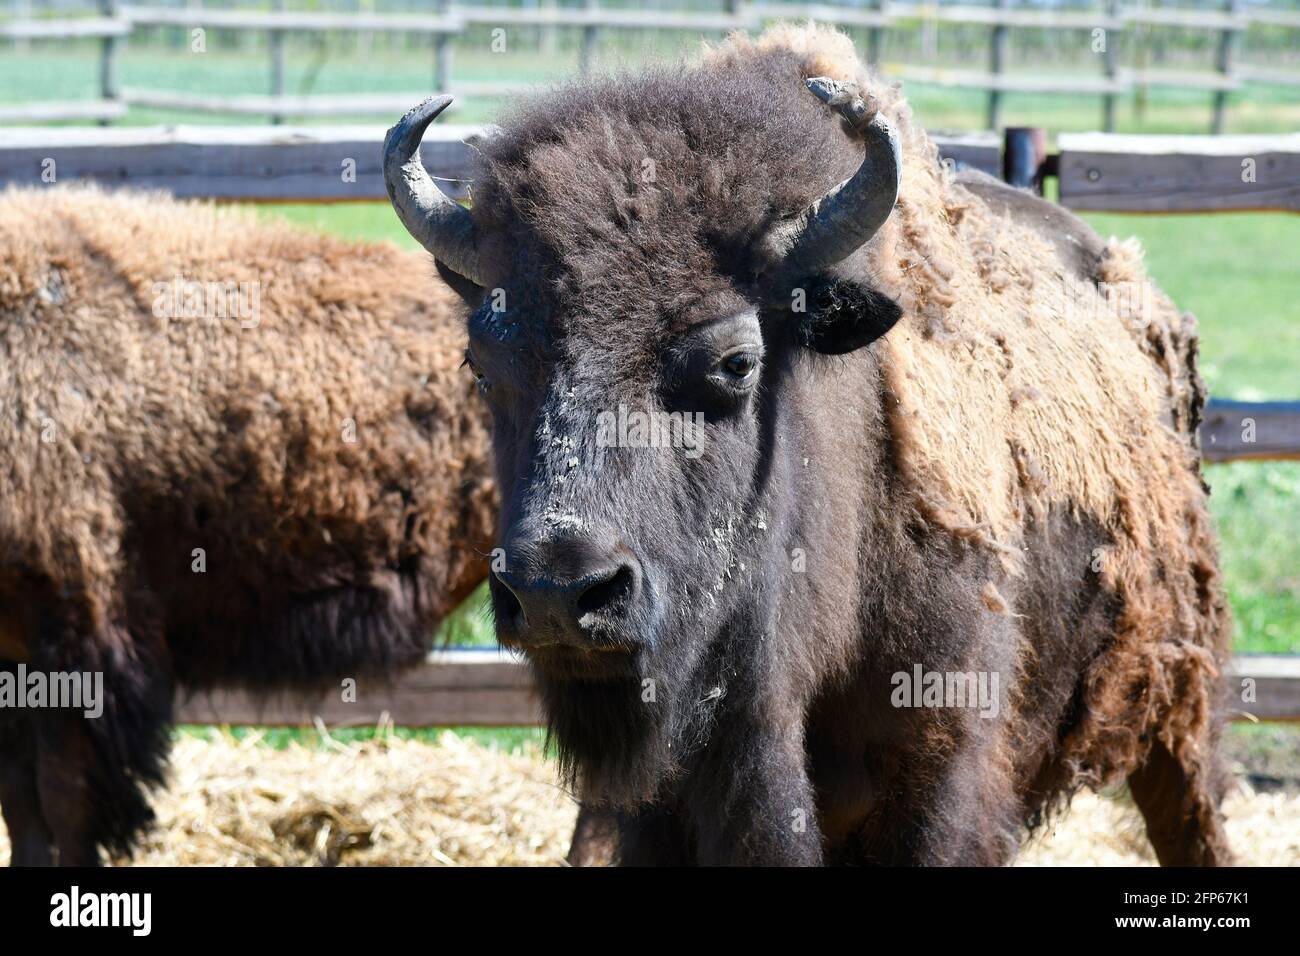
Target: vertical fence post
(366,40)
(1228,42)
(876,38)
(1024,150)
(590,34)
(442,54)
(22,11)
(1110,59)
(275,42)
(1138,54)
(997,62)
(546,35)
(178,37)
(108,49)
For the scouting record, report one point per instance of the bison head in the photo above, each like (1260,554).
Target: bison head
(655,277)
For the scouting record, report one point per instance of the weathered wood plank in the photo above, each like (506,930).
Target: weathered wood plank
(489,688)
(246,163)
(1236,431)
(256,104)
(1008,82)
(822,13)
(1123,173)
(1275,686)
(285,163)
(590,16)
(994,16)
(1275,17)
(748,17)
(1184,79)
(292,20)
(1264,74)
(982,151)
(459,687)
(1193,19)
(60,111)
(65,29)
(452,22)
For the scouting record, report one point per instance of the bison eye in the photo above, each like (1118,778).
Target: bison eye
(740,366)
(479,377)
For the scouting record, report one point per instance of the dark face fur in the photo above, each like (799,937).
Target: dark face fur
(646,379)
(640,511)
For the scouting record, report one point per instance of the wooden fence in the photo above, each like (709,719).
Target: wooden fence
(1096,171)
(343,164)
(490,688)
(1106,25)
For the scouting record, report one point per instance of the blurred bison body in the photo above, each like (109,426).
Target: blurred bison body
(234,454)
(946,431)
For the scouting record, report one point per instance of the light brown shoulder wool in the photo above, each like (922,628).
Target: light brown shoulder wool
(301,386)
(1014,385)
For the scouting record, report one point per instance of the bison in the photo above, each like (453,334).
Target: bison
(850,508)
(234,454)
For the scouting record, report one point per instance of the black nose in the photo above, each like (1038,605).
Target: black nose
(568,591)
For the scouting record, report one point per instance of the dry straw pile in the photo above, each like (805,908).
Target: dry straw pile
(389,802)
(393,802)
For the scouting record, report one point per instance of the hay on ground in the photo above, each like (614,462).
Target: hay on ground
(394,802)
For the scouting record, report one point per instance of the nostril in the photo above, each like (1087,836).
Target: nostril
(506,605)
(607,593)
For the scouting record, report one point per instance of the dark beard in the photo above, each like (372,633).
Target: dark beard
(615,748)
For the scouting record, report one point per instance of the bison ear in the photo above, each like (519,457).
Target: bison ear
(841,316)
(469,291)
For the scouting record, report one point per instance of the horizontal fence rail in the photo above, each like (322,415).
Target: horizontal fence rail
(1097,171)
(481,687)
(1244,431)
(1123,173)
(282,164)
(489,688)
(1115,20)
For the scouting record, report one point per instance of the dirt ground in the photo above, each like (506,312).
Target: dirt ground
(405,803)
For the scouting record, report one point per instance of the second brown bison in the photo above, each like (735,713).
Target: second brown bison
(233,454)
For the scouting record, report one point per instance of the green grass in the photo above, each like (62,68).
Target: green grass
(1238,274)
(509,739)
(370,221)
(1256,507)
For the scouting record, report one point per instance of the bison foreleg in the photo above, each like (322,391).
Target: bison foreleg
(653,835)
(595,837)
(753,805)
(65,782)
(953,802)
(94,761)
(30,839)
(1179,799)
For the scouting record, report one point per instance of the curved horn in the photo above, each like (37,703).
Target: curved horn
(839,222)
(443,227)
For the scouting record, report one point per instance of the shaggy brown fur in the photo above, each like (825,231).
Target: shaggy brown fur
(1080,376)
(327,457)
(1023,495)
